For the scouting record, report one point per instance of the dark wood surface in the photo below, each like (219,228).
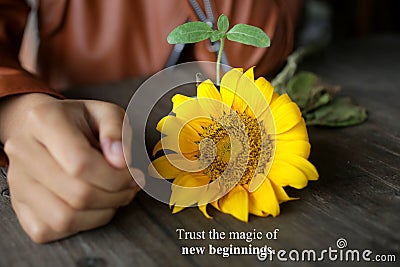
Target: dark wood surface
(356,198)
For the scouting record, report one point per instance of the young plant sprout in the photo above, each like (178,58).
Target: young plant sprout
(193,32)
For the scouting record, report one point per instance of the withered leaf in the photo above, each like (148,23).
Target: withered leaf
(309,92)
(339,112)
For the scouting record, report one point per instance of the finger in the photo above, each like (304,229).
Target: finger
(138,177)
(55,126)
(37,230)
(70,148)
(127,140)
(58,215)
(108,119)
(79,194)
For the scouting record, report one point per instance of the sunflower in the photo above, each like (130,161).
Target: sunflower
(235,148)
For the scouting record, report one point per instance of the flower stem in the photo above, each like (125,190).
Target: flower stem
(218,67)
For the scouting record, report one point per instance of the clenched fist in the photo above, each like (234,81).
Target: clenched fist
(67,172)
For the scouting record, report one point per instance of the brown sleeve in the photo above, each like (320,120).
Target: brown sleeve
(3,158)
(276,17)
(13,78)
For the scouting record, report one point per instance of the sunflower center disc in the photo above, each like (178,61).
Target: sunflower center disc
(244,147)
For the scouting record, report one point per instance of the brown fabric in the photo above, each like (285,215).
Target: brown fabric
(13,79)
(3,158)
(276,18)
(95,41)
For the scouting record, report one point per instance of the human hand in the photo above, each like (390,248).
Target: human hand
(67,172)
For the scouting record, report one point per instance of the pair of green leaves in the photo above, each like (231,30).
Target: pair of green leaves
(193,32)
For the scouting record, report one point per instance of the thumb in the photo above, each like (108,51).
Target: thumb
(112,150)
(107,119)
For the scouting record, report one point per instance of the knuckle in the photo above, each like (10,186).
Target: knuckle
(114,107)
(109,214)
(82,197)
(129,197)
(81,162)
(37,233)
(44,115)
(35,115)
(117,186)
(62,221)
(12,147)
(115,110)
(12,181)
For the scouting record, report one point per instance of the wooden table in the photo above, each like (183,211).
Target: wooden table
(356,198)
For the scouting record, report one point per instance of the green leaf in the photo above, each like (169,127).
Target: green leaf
(309,92)
(190,32)
(217,35)
(223,23)
(249,35)
(338,113)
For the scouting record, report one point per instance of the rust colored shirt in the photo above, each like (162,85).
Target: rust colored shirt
(95,41)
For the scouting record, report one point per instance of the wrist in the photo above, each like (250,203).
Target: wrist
(13,110)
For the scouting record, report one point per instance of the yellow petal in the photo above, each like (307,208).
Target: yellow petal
(250,74)
(266,88)
(184,164)
(276,102)
(215,205)
(253,96)
(300,163)
(280,100)
(280,193)
(244,90)
(187,109)
(256,182)
(236,203)
(210,99)
(171,143)
(263,201)
(203,209)
(212,193)
(199,124)
(179,99)
(159,147)
(298,132)
(286,117)
(285,174)
(188,188)
(177,209)
(170,125)
(191,180)
(191,156)
(162,168)
(297,147)
(274,97)
(228,87)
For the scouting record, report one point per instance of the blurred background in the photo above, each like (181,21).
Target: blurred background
(332,20)
(321,21)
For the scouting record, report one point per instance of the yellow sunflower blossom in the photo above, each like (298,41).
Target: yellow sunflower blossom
(235,148)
